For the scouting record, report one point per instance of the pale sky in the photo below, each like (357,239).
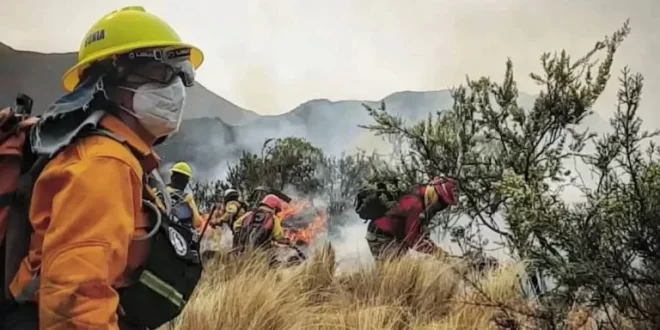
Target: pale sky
(270,56)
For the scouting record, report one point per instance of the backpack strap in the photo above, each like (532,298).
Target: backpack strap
(179,196)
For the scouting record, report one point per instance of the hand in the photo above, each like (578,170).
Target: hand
(216,222)
(4,113)
(25,123)
(28,122)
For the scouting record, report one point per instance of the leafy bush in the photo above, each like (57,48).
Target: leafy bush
(601,252)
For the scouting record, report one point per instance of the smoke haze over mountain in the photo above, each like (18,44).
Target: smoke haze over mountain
(293,68)
(270,57)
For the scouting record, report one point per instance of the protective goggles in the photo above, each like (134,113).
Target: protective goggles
(159,65)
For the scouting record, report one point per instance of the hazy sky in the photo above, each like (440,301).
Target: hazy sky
(270,56)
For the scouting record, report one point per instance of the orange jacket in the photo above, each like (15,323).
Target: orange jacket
(86,207)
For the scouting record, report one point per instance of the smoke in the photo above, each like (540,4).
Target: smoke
(331,126)
(347,234)
(437,43)
(365,49)
(351,248)
(270,57)
(216,239)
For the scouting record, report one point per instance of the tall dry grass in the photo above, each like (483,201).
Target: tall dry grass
(244,293)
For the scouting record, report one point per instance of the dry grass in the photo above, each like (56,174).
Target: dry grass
(416,294)
(406,294)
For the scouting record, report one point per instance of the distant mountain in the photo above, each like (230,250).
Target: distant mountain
(332,126)
(38,75)
(215,131)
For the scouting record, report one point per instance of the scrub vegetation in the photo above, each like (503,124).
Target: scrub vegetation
(597,254)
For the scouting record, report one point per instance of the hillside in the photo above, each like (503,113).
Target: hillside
(38,75)
(210,143)
(215,131)
(332,126)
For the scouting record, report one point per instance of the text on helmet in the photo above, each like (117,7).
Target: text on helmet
(94,37)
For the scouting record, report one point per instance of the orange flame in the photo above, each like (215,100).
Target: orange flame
(316,223)
(205,217)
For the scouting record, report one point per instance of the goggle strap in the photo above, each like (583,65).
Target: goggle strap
(160,55)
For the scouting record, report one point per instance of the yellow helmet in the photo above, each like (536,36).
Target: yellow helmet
(122,31)
(183,168)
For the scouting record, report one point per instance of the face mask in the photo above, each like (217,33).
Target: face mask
(159,108)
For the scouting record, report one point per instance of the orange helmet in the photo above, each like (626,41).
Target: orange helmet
(446,190)
(272,202)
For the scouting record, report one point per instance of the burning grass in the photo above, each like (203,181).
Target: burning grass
(302,221)
(419,294)
(244,293)
(406,294)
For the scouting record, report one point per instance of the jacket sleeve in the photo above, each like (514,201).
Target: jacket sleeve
(85,247)
(197,219)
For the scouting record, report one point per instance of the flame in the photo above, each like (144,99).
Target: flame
(315,223)
(205,217)
(311,225)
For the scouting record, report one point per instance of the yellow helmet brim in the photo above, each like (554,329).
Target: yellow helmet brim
(174,170)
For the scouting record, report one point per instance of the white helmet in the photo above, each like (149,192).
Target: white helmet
(230,193)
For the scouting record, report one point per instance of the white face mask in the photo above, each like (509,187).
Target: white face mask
(159,108)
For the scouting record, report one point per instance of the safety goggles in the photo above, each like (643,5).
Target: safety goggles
(157,65)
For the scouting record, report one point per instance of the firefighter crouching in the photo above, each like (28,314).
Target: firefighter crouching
(260,227)
(403,225)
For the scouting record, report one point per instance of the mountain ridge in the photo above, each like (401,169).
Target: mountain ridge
(38,75)
(215,131)
(64,60)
